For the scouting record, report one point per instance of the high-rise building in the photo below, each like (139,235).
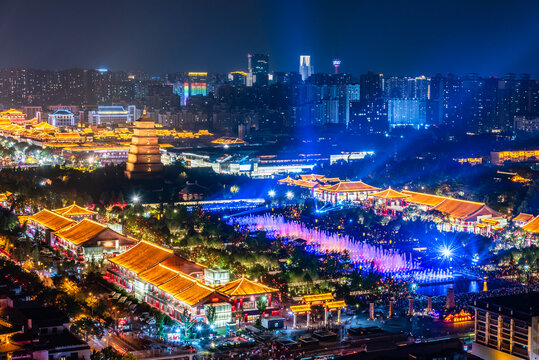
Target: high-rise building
(258,69)
(196,84)
(305,67)
(371,86)
(406,112)
(507,327)
(369,116)
(144,158)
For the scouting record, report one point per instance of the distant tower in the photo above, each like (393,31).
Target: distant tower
(305,67)
(336,64)
(450,299)
(144,158)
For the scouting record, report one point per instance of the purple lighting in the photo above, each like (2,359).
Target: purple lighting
(319,241)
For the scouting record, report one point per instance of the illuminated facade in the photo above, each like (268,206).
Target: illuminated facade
(112,115)
(13,115)
(62,118)
(173,285)
(507,327)
(258,69)
(305,67)
(500,157)
(196,85)
(144,158)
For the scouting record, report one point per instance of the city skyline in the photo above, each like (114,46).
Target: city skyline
(403,39)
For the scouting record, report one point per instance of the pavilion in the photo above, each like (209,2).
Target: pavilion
(76,212)
(244,294)
(389,202)
(345,191)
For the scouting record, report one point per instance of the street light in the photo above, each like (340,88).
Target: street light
(289,195)
(136,199)
(271,193)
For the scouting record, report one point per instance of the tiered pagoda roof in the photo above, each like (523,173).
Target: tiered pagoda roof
(51,220)
(245,287)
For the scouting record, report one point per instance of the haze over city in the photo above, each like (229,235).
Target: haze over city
(397,38)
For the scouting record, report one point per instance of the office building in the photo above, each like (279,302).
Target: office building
(305,67)
(369,116)
(196,84)
(406,112)
(257,69)
(371,86)
(507,327)
(61,118)
(112,115)
(528,124)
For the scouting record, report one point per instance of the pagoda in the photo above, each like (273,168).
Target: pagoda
(144,159)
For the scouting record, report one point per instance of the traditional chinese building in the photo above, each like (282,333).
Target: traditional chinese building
(172,284)
(47,222)
(76,212)
(244,295)
(389,202)
(144,158)
(88,240)
(345,191)
(522,219)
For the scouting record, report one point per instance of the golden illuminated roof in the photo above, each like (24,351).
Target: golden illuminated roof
(300,308)
(335,304)
(532,226)
(158,275)
(74,210)
(141,257)
(306,183)
(318,297)
(186,289)
(458,208)
(5,196)
(523,217)
(11,112)
(244,287)
(519,179)
(44,126)
(286,180)
(349,186)
(70,135)
(422,198)
(81,232)
(389,193)
(51,220)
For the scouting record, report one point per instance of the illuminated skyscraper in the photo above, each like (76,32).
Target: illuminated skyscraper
(196,84)
(258,69)
(305,67)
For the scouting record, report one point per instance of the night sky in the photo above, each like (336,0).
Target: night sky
(399,37)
